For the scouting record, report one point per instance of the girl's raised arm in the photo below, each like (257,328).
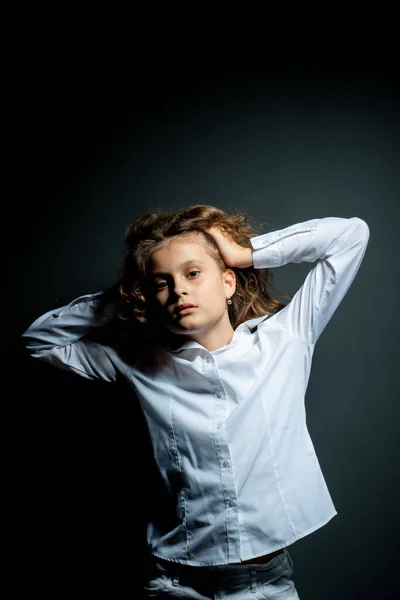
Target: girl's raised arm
(61,337)
(337,245)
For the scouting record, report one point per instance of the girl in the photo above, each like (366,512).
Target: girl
(220,369)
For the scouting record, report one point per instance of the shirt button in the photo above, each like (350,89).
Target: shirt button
(208,360)
(230,503)
(225,464)
(219,395)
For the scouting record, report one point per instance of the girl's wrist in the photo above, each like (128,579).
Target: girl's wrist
(245,259)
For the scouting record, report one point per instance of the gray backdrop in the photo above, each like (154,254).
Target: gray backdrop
(285,146)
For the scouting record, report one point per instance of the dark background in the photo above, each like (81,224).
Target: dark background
(96,137)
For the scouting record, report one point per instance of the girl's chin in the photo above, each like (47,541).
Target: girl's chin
(183,326)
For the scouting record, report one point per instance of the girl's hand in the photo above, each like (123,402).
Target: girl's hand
(233,254)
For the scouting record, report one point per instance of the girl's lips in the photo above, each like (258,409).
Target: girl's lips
(186,311)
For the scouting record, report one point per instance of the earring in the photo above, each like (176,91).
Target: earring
(229,301)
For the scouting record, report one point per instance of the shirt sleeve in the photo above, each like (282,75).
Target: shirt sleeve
(61,336)
(337,246)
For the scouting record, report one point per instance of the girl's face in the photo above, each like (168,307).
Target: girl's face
(184,273)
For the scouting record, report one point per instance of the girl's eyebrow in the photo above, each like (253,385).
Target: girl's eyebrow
(192,261)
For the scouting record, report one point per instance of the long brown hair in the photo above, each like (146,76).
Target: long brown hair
(155,229)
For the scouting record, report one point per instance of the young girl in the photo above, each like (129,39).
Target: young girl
(220,369)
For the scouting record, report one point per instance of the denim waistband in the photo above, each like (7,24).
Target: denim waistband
(174,569)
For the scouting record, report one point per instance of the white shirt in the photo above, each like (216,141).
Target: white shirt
(228,427)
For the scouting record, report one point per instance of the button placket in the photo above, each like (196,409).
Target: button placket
(226,473)
(224,457)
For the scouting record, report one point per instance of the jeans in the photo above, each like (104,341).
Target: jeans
(237,582)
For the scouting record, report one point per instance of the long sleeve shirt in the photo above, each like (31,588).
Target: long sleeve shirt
(228,426)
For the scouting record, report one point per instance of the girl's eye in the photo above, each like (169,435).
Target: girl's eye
(161,284)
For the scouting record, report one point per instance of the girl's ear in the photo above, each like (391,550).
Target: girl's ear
(230,281)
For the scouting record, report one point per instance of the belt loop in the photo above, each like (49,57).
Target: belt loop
(253,580)
(175,577)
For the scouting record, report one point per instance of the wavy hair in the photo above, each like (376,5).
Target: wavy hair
(156,228)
